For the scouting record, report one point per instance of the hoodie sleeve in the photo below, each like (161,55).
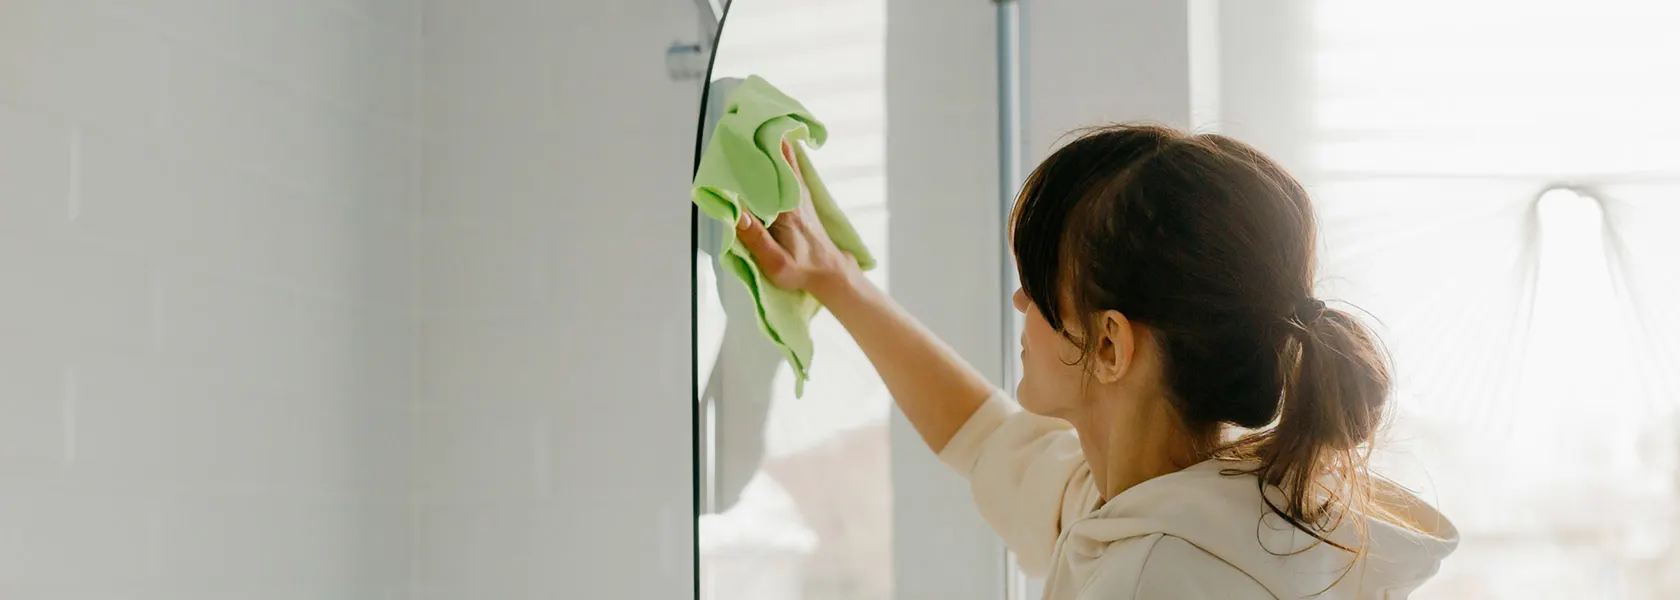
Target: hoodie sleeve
(1028,475)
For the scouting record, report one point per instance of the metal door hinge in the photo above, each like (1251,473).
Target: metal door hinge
(685,62)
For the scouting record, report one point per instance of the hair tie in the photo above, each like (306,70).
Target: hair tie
(1308,310)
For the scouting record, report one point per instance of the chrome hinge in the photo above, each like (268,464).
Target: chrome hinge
(685,61)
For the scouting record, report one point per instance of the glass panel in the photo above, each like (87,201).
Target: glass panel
(800,495)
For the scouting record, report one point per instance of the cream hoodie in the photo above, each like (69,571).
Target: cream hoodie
(1188,535)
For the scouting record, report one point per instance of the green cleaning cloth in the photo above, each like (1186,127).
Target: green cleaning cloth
(742,168)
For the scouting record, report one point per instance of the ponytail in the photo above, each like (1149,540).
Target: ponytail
(1336,381)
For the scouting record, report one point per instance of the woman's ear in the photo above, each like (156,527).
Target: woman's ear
(1116,347)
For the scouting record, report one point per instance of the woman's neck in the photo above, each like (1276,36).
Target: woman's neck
(1130,441)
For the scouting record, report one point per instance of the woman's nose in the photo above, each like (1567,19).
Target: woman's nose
(1019,299)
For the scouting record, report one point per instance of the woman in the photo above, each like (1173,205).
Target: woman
(1196,424)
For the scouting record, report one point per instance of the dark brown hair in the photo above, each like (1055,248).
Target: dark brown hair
(1210,245)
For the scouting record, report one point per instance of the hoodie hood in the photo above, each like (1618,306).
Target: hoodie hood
(1224,515)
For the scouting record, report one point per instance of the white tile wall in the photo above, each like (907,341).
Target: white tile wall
(36,152)
(343,299)
(207,335)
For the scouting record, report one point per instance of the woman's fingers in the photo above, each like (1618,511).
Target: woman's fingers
(792,159)
(787,155)
(771,257)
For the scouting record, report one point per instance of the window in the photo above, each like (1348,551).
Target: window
(1493,187)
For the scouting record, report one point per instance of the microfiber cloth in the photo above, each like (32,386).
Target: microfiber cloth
(743,169)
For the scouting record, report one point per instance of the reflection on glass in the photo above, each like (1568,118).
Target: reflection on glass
(797,491)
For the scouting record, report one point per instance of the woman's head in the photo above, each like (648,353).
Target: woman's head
(1157,262)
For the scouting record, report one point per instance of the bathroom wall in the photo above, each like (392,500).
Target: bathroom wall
(206,282)
(344,299)
(553,425)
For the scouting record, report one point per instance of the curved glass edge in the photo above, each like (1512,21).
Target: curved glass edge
(708,9)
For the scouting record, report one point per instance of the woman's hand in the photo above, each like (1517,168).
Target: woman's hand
(795,252)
